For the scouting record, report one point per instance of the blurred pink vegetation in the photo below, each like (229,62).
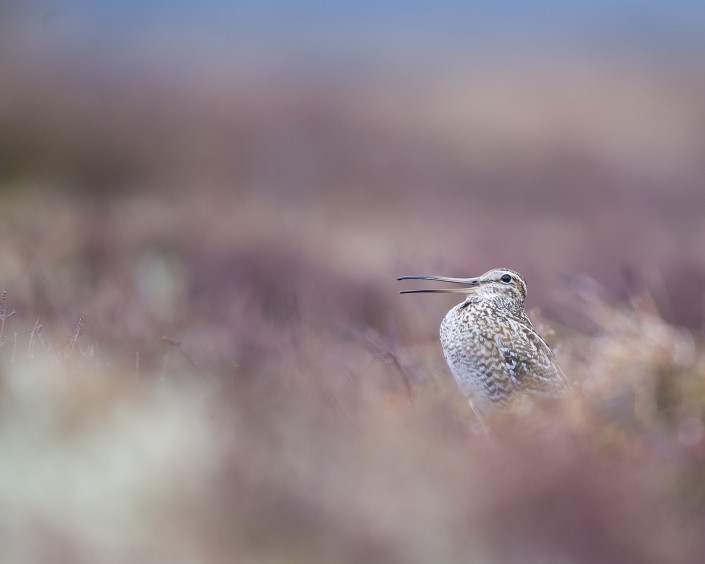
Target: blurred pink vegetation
(210,362)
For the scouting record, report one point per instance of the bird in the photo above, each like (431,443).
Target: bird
(491,347)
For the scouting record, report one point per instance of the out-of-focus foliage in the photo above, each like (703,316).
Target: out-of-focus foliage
(209,360)
(310,448)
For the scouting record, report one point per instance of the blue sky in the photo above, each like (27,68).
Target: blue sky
(281,23)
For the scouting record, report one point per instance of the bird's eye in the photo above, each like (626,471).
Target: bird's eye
(506,278)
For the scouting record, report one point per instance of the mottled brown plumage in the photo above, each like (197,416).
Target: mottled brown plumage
(491,347)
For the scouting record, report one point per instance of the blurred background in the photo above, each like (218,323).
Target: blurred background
(203,210)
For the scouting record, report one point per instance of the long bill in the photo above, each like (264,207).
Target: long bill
(472,284)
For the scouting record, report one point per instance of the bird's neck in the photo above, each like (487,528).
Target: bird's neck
(496,303)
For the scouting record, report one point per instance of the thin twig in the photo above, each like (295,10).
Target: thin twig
(381,349)
(4,316)
(33,335)
(74,338)
(177,346)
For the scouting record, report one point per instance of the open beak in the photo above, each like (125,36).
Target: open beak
(471,283)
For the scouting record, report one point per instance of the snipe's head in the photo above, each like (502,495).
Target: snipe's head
(499,285)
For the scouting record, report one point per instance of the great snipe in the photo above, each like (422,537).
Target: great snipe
(491,347)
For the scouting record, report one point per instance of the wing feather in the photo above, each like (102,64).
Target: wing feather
(529,362)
